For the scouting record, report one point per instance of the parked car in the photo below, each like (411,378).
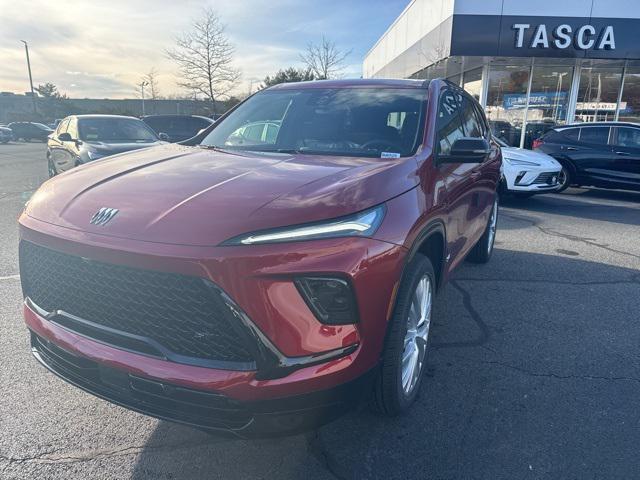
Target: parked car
(506,132)
(255,132)
(83,138)
(605,155)
(177,127)
(6,134)
(535,130)
(527,173)
(263,288)
(30,131)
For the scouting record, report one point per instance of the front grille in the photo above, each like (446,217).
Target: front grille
(546,178)
(175,314)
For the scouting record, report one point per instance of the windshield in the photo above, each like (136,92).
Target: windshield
(115,130)
(360,122)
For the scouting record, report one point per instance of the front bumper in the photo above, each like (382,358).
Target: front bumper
(531,179)
(204,410)
(258,279)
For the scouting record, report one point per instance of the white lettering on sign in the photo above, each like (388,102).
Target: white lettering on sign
(540,38)
(563,36)
(584,38)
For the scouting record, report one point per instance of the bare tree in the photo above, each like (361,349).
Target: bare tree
(151,79)
(205,58)
(324,60)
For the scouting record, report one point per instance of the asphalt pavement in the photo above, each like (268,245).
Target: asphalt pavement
(534,374)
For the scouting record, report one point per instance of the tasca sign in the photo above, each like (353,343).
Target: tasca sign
(563,36)
(538,36)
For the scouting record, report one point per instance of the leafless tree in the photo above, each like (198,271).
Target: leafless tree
(151,79)
(324,60)
(205,58)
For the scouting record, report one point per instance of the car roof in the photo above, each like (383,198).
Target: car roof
(597,124)
(102,116)
(358,82)
(176,115)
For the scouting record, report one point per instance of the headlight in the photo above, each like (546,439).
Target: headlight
(516,163)
(363,224)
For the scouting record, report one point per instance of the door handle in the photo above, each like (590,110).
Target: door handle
(571,148)
(623,153)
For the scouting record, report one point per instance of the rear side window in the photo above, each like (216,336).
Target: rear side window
(471,124)
(449,123)
(595,135)
(628,137)
(570,133)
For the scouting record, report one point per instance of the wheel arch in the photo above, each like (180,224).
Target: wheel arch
(431,242)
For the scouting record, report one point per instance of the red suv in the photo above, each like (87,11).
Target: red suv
(261,278)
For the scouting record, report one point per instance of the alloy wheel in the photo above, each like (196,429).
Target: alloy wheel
(415,340)
(493,224)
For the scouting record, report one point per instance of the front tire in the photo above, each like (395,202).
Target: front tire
(407,343)
(564,179)
(481,252)
(52,168)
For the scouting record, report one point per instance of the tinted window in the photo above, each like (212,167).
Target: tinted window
(72,129)
(115,130)
(471,124)
(571,133)
(332,121)
(159,124)
(628,137)
(595,135)
(196,124)
(449,124)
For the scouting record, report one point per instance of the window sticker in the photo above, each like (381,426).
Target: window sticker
(389,155)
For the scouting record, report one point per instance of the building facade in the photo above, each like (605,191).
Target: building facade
(531,64)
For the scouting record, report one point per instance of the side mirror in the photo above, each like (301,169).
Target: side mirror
(468,150)
(65,137)
(163,136)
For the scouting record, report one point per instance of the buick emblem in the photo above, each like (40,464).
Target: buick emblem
(103,216)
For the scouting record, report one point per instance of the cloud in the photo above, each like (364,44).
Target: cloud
(103,48)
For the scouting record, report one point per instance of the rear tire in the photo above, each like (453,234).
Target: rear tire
(407,343)
(481,252)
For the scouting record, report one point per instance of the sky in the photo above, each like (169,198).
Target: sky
(101,49)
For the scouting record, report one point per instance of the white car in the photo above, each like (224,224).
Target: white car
(527,172)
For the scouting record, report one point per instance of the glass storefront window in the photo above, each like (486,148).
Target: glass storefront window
(549,100)
(472,82)
(506,99)
(598,93)
(630,105)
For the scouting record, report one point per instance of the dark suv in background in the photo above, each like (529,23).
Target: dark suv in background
(30,131)
(177,127)
(605,155)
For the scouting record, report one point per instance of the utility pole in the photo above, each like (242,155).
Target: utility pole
(143,84)
(33,93)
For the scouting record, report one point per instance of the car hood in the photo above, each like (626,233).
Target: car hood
(542,159)
(192,196)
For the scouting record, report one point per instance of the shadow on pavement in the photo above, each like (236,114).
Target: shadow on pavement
(535,373)
(580,204)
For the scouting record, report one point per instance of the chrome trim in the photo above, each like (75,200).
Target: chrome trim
(103,216)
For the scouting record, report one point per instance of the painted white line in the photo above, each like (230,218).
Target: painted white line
(10,277)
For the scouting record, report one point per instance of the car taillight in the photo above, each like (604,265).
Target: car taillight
(537,143)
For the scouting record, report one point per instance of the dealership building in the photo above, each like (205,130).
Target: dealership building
(535,63)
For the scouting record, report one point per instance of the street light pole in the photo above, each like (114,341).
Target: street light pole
(143,84)
(33,93)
